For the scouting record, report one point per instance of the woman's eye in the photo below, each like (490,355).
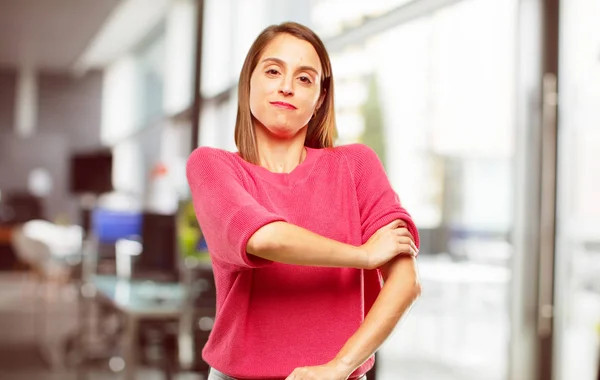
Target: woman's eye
(272,72)
(305,79)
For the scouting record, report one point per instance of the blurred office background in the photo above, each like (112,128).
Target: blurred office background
(485,113)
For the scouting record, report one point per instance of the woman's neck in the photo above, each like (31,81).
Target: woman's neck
(280,155)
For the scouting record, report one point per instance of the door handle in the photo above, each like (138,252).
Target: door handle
(545,309)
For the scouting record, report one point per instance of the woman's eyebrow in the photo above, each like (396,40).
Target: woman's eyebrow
(282,63)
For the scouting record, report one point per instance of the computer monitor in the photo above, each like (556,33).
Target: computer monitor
(91,172)
(159,257)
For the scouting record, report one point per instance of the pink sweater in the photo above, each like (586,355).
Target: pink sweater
(273,317)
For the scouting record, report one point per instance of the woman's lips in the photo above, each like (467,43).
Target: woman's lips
(283,105)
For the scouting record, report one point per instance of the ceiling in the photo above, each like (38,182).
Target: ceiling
(49,34)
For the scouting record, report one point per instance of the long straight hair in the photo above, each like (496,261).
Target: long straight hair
(321,128)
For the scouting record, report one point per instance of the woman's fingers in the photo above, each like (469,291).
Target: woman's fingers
(403,231)
(407,246)
(413,245)
(393,225)
(406,238)
(401,223)
(414,251)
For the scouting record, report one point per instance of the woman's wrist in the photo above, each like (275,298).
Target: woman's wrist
(361,257)
(342,367)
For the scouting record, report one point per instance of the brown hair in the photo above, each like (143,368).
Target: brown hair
(321,128)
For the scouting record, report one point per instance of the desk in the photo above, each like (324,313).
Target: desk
(138,300)
(142,298)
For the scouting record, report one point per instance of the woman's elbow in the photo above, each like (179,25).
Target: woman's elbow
(412,285)
(262,240)
(403,273)
(416,290)
(257,242)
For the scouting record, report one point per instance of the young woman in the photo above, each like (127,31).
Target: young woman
(301,233)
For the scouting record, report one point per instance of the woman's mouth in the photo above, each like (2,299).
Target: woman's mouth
(283,105)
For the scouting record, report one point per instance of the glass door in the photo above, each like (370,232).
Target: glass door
(445,88)
(435,96)
(577,284)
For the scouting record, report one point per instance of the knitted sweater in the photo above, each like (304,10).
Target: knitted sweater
(273,317)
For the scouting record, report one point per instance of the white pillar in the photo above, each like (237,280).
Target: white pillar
(26,105)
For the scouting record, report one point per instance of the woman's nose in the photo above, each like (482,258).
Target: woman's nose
(286,87)
(286,91)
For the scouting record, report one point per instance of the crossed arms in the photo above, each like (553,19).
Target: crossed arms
(391,249)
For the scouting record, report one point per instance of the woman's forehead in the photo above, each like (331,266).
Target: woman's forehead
(291,51)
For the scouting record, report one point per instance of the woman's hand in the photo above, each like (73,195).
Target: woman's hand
(331,371)
(388,242)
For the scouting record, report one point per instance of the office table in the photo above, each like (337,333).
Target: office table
(137,300)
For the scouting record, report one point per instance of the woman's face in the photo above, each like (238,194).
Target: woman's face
(285,85)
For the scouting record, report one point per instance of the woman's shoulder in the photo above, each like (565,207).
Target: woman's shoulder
(357,153)
(211,155)
(208,159)
(354,149)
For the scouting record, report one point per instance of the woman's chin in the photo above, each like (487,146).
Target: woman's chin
(284,132)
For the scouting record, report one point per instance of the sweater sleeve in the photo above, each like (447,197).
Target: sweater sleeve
(378,203)
(228,215)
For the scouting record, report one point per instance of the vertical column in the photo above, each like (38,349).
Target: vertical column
(26,106)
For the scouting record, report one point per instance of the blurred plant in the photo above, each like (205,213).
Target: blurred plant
(374,134)
(191,241)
